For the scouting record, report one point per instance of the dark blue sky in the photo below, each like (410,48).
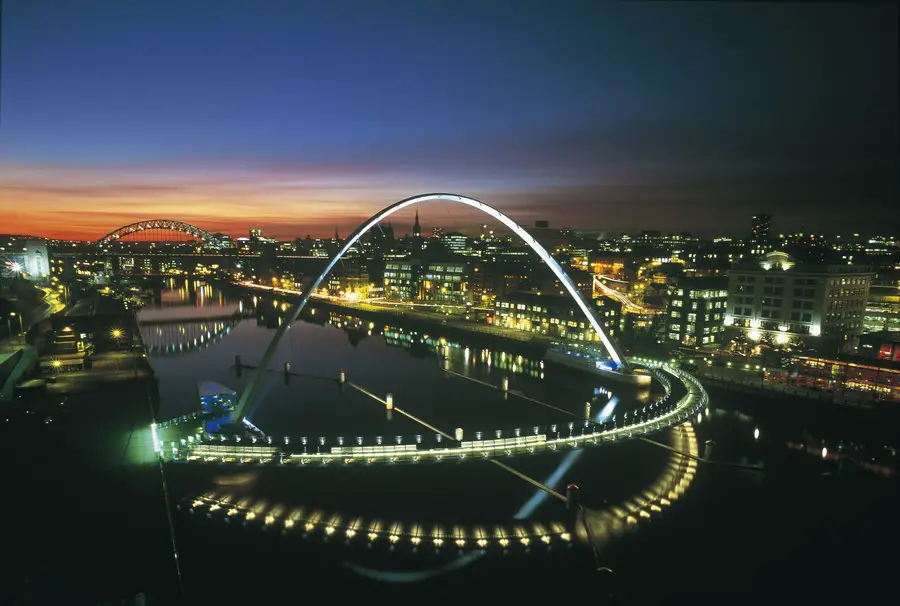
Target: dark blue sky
(296,115)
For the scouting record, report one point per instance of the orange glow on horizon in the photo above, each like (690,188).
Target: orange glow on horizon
(85,204)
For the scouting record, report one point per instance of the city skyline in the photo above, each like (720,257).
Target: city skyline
(297,120)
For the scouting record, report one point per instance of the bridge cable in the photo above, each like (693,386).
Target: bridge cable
(168,504)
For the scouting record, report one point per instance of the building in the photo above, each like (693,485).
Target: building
(696,311)
(778,302)
(882,345)
(446,282)
(882,308)
(350,279)
(760,234)
(856,377)
(456,243)
(606,264)
(401,279)
(555,316)
(583,280)
(28,258)
(65,350)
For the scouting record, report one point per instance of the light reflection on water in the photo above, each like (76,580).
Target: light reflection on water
(410,364)
(407,362)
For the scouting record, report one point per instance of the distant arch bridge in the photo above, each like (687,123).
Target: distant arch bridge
(151,230)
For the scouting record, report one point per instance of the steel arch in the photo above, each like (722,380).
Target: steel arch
(565,280)
(169,224)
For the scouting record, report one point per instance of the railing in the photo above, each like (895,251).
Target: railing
(263,449)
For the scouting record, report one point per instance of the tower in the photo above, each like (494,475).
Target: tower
(761,227)
(417,229)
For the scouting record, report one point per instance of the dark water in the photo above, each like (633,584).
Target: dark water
(735,535)
(806,529)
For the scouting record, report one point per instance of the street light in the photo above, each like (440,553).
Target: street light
(56,365)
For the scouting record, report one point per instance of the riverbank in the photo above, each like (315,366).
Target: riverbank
(736,380)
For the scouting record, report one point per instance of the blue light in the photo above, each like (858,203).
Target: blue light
(540,495)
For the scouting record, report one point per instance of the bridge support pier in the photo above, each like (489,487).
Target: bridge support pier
(237,365)
(389,401)
(505,384)
(287,372)
(587,411)
(458,434)
(342,377)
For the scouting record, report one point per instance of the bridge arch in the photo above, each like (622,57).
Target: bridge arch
(163,224)
(249,391)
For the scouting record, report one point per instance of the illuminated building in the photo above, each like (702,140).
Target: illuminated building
(554,315)
(882,345)
(882,308)
(584,282)
(401,279)
(456,243)
(28,258)
(876,379)
(445,282)
(350,278)
(606,265)
(778,302)
(760,234)
(696,311)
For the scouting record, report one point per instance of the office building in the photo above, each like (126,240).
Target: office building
(555,316)
(779,302)
(445,282)
(401,279)
(696,311)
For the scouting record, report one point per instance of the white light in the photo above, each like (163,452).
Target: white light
(157,446)
(541,252)
(756,433)
(824,452)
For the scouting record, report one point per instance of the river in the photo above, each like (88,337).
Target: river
(825,496)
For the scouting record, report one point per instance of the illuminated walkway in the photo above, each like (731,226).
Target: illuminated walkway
(218,449)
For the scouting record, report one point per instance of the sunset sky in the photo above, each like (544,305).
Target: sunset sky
(298,116)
